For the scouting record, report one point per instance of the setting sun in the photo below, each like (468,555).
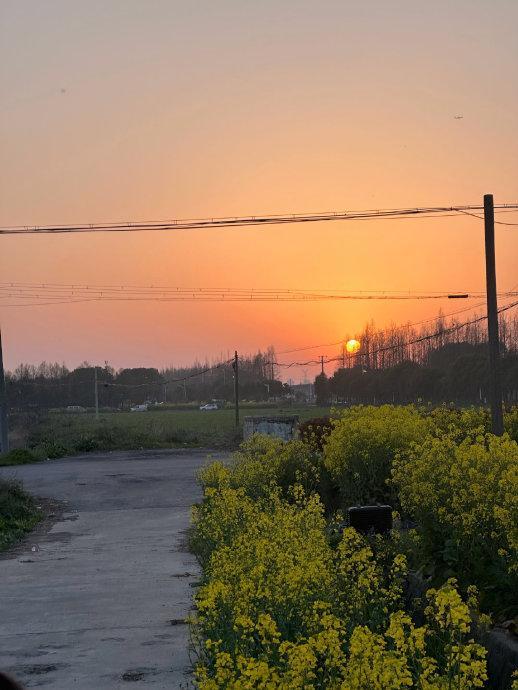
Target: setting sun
(352,346)
(258,295)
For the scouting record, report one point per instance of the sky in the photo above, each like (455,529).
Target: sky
(130,110)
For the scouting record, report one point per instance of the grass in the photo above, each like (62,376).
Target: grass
(61,434)
(18,456)
(18,513)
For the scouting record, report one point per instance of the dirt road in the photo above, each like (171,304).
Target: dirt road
(99,601)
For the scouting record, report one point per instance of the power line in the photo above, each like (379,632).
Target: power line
(408,325)
(113,384)
(442,332)
(248,221)
(42,303)
(78,287)
(509,293)
(475,215)
(168,381)
(46,295)
(386,348)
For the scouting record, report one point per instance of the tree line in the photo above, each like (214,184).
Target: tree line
(442,360)
(52,385)
(439,361)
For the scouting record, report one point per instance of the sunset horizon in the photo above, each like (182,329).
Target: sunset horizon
(310,117)
(259,344)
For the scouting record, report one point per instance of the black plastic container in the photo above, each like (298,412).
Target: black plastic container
(371,519)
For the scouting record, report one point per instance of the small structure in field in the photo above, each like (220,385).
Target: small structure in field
(284,427)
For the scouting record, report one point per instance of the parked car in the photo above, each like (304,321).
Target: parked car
(140,408)
(209,406)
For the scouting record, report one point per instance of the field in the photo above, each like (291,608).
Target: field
(59,434)
(292,596)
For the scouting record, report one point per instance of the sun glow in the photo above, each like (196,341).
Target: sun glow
(352,346)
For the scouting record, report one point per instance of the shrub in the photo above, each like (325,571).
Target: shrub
(222,515)
(263,462)
(54,449)
(459,423)
(18,513)
(315,431)
(464,498)
(511,425)
(279,563)
(361,448)
(18,456)
(85,444)
(279,608)
(287,601)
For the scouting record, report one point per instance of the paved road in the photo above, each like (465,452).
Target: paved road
(89,605)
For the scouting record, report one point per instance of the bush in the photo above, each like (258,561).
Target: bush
(18,456)
(263,462)
(278,608)
(85,444)
(18,513)
(361,448)
(315,431)
(471,421)
(278,562)
(459,423)
(511,423)
(222,515)
(464,498)
(54,450)
(289,600)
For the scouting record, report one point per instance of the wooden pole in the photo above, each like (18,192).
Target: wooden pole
(96,393)
(235,366)
(4,433)
(495,387)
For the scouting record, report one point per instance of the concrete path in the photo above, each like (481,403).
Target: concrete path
(99,601)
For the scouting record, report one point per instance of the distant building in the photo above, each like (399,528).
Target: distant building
(303,392)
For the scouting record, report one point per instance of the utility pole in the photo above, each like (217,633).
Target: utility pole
(4,434)
(322,363)
(96,392)
(495,388)
(235,366)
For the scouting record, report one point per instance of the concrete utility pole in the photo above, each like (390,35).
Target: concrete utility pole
(4,433)
(235,366)
(96,392)
(495,387)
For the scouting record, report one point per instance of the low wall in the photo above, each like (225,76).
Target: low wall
(280,427)
(502,658)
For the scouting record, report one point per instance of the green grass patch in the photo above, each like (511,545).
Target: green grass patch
(65,434)
(18,513)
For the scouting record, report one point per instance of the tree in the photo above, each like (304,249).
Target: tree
(322,389)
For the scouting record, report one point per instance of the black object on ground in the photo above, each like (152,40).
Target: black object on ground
(376,519)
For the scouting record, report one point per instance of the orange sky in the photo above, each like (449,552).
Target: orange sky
(131,110)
